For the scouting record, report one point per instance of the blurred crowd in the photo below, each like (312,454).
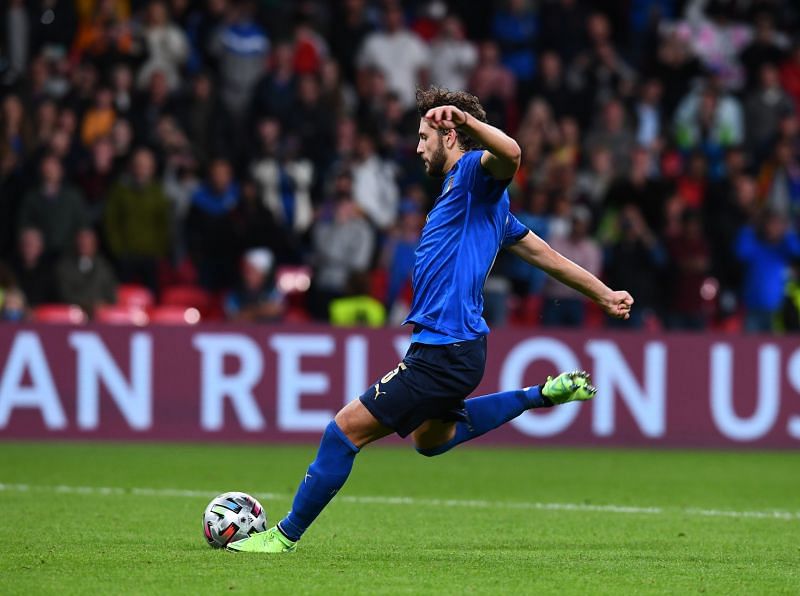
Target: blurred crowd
(262,152)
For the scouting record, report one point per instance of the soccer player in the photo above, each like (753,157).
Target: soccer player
(425,395)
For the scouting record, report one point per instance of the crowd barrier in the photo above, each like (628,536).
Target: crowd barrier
(274,384)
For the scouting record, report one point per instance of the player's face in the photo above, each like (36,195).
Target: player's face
(431,149)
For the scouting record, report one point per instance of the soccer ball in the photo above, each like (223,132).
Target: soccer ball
(232,516)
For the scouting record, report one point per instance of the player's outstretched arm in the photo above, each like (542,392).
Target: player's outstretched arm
(538,253)
(502,156)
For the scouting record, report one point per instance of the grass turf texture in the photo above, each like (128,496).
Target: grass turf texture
(61,543)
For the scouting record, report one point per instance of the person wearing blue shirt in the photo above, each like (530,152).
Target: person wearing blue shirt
(425,395)
(766,253)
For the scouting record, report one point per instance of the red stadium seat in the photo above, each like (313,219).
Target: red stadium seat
(526,311)
(135,295)
(118,314)
(186,296)
(59,313)
(174,315)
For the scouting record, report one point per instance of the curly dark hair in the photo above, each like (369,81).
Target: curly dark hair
(434,97)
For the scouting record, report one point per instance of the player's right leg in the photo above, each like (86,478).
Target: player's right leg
(353,428)
(487,412)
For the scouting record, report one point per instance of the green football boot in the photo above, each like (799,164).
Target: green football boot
(271,541)
(569,386)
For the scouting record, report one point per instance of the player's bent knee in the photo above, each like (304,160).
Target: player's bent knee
(432,451)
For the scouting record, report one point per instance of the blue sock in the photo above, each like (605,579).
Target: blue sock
(325,476)
(490,411)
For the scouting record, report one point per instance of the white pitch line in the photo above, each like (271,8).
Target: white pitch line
(412,501)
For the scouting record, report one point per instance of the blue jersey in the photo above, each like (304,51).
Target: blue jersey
(468,225)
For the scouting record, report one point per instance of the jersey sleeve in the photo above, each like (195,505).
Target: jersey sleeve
(483,185)
(514,232)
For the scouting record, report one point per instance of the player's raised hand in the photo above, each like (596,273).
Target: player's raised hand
(445,117)
(618,304)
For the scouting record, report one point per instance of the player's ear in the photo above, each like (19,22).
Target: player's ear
(451,138)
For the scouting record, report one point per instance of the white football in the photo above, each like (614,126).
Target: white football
(232,516)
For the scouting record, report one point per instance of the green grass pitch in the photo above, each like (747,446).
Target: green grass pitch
(474,521)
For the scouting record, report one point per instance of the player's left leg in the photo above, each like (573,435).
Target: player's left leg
(487,412)
(353,428)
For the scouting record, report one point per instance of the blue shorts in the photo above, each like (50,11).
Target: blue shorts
(430,383)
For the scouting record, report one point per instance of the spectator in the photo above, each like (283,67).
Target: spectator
(96,180)
(311,122)
(34,275)
(790,312)
(180,183)
(452,56)
(137,222)
(399,54)
(341,246)
(677,69)
(563,28)
(375,188)
(274,93)
(766,253)
(122,89)
(17,40)
(284,182)
(104,33)
(649,115)
(515,27)
(16,134)
(613,132)
(13,307)
(765,107)
(336,93)
(157,103)
(99,119)
(241,48)
(790,75)
(207,121)
(310,48)
(84,277)
(357,307)
(601,73)
(7,284)
(551,85)
(715,39)
(691,186)
(256,299)
(55,208)
(210,231)
(534,216)
(768,47)
(495,84)
(122,138)
(779,181)
(709,121)
(593,182)
(255,226)
(563,306)
(166,46)
(637,187)
(347,37)
(398,253)
(636,260)
(690,257)
(45,123)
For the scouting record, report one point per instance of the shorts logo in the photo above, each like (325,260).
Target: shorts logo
(386,378)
